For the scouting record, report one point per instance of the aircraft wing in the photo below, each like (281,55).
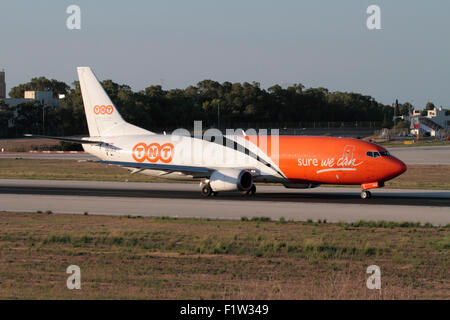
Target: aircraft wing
(198,172)
(191,170)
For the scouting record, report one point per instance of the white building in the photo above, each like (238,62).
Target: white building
(44,97)
(436,122)
(440,116)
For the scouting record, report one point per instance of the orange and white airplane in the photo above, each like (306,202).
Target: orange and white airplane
(229,162)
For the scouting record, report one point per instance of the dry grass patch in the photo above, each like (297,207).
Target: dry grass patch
(67,170)
(423,177)
(164,258)
(25,145)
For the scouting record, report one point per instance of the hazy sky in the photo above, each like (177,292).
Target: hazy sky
(178,43)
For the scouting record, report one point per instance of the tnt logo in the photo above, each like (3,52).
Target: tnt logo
(153,152)
(103,109)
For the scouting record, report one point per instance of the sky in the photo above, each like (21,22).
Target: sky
(177,43)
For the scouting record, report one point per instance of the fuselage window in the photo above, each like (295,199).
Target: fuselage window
(376,154)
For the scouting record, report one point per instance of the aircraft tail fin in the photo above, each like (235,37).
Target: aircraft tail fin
(102,116)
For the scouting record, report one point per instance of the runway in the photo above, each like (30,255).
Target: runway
(184,200)
(432,155)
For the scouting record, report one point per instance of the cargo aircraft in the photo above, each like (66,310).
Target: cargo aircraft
(230,162)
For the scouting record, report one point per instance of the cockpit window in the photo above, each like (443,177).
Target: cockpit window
(376,154)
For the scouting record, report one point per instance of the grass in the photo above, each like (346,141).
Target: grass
(168,258)
(423,177)
(27,144)
(416,177)
(67,170)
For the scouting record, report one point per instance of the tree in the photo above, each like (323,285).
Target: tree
(430,106)
(156,109)
(29,118)
(39,84)
(406,109)
(402,124)
(396,109)
(155,91)
(6,114)
(71,113)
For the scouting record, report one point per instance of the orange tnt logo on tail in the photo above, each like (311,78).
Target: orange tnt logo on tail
(103,109)
(153,152)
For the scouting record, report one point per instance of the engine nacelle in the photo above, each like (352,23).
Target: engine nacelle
(231,180)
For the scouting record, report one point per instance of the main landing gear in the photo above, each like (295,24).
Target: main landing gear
(250,192)
(365,194)
(207,191)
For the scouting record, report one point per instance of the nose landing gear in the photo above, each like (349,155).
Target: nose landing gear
(365,193)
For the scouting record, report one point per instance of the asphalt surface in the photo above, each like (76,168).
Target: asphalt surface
(184,200)
(433,155)
(423,155)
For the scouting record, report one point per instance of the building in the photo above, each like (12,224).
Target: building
(2,85)
(440,116)
(44,97)
(436,122)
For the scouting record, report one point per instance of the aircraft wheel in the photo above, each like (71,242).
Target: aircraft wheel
(206,190)
(365,194)
(249,192)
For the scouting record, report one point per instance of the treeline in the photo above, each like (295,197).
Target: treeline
(157,109)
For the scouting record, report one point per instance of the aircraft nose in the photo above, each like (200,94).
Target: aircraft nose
(397,167)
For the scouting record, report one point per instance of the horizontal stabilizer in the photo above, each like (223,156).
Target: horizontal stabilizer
(64,139)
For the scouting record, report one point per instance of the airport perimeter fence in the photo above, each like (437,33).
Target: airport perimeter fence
(405,133)
(354,128)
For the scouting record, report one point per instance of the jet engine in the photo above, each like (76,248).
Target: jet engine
(231,180)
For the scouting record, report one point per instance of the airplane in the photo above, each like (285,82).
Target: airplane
(229,162)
